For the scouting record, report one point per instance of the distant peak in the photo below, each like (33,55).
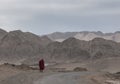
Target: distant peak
(16,31)
(98,39)
(1,30)
(71,39)
(117,32)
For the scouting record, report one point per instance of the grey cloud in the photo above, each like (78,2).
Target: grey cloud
(64,15)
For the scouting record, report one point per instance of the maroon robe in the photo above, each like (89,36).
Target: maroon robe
(41,65)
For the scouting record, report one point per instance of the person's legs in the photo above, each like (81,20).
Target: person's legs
(41,70)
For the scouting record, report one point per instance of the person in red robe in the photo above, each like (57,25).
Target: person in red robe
(41,65)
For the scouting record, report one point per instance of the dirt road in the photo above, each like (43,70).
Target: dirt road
(66,78)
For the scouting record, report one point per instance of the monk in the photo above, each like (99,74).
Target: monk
(41,65)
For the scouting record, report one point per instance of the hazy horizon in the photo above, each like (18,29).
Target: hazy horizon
(59,31)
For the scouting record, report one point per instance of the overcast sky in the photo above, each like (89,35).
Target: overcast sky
(46,16)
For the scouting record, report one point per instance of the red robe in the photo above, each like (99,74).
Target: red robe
(41,65)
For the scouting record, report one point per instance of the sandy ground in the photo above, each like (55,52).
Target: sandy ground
(67,78)
(6,72)
(53,74)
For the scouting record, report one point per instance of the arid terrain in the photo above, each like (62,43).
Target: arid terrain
(73,73)
(73,61)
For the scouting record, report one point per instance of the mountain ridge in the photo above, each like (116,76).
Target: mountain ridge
(26,47)
(85,35)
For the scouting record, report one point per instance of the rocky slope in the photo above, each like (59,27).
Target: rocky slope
(69,50)
(77,50)
(59,36)
(74,50)
(2,33)
(85,35)
(18,46)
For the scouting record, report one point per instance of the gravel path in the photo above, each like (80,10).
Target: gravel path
(36,77)
(66,78)
(25,77)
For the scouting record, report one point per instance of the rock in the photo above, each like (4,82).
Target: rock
(80,69)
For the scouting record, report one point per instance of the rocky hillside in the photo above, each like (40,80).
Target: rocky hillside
(18,46)
(85,35)
(2,33)
(77,50)
(69,50)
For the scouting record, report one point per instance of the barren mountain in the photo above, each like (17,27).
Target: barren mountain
(77,50)
(85,35)
(76,60)
(69,50)
(18,46)
(2,33)
(59,36)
